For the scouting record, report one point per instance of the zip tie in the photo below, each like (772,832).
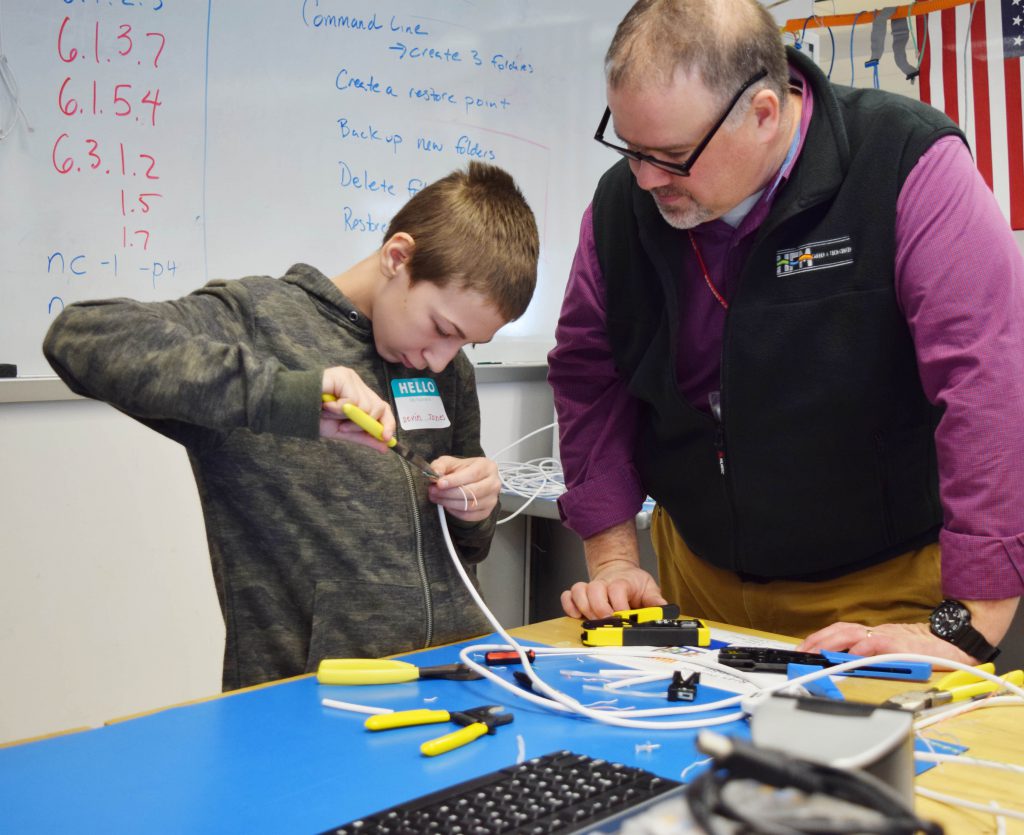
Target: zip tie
(521,749)
(646,747)
(598,675)
(634,680)
(354,708)
(611,672)
(637,694)
(1000,820)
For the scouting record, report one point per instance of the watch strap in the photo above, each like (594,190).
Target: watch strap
(971,641)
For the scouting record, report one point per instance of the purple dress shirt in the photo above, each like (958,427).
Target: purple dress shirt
(960,284)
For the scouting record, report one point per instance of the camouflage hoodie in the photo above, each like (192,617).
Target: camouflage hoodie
(318,548)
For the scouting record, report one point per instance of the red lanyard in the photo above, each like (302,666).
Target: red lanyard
(704,269)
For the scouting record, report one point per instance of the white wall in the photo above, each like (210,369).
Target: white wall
(107,606)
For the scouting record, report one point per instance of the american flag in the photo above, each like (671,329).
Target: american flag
(971,69)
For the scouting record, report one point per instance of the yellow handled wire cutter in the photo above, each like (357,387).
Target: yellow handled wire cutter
(475,723)
(372,426)
(958,686)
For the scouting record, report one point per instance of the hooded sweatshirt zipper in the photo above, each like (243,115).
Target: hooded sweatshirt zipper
(421,563)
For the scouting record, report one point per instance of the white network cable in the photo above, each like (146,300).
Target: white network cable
(966,707)
(950,800)
(968,88)
(744,704)
(926,757)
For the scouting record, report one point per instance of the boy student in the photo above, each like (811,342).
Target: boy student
(322,548)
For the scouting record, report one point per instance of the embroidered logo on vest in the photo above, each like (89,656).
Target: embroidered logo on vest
(820,255)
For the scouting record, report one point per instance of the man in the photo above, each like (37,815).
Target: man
(793,319)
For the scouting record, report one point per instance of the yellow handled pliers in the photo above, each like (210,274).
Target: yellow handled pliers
(372,426)
(386,671)
(475,723)
(955,687)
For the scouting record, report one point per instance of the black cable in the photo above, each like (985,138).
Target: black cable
(736,760)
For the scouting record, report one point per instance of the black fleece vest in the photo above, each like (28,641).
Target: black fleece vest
(827,436)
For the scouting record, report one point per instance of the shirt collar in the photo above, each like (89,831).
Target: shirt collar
(735,216)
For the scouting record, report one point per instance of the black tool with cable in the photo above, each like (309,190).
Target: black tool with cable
(846,800)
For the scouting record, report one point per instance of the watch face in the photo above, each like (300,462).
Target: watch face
(949,618)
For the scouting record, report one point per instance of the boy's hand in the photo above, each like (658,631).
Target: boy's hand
(478,478)
(345,386)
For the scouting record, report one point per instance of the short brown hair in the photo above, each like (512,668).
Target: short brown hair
(724,42)
(476,228)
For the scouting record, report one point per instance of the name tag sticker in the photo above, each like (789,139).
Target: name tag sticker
(418,403)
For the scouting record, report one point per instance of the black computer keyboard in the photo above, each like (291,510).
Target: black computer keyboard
(560,793)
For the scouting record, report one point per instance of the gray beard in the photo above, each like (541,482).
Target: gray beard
(687,218)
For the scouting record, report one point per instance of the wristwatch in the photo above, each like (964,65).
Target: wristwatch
(951,621)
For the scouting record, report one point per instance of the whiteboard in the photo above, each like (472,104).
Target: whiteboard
(167,142)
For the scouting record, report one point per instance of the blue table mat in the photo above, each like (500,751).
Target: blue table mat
(275,760)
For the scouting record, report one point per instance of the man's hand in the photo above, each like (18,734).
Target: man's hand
(877,640)
(615,586)
(990,617)
(468,488)
(617,581)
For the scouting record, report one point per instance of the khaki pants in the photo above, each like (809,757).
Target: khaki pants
(903,589)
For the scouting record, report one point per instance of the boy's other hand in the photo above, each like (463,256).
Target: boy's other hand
(479,483)
(345,386)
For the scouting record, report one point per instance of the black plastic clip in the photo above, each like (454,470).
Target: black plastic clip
(683,689)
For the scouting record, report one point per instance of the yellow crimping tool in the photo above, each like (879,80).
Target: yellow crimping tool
(653,626)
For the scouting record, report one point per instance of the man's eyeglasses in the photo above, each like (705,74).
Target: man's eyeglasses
(680,169)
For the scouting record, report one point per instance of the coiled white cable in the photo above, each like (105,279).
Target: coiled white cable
(538,478)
